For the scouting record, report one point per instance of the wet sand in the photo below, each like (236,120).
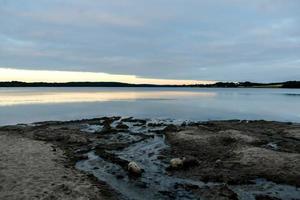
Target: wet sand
(236,152)
(88,159)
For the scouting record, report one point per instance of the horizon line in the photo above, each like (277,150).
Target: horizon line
(49,76)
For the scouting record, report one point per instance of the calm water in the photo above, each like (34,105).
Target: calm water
(25,105)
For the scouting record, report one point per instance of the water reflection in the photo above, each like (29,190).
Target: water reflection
(25,105)
(47,97)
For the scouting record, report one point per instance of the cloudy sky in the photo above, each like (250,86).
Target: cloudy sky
(223,40)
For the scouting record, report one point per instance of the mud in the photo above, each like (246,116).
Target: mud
(222,159)
(236,152)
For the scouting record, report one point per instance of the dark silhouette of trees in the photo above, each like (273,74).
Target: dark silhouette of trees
(247,84)
(291,84)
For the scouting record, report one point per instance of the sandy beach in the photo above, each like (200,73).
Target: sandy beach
(32,169)
(88,159)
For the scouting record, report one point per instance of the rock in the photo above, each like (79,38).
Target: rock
(176,163)
(134,169)
(122,126)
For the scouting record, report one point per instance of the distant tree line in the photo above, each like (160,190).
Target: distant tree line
(291,84)
(247,84)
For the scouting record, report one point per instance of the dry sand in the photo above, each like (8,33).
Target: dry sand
(31,169)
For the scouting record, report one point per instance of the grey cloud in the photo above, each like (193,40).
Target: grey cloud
(212,40)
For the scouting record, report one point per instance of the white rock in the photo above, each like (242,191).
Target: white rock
(134,168)
(176,163)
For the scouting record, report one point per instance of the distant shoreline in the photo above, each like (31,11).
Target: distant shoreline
(287,84)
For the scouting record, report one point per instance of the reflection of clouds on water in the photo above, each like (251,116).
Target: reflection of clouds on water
(39,97)
(25,105)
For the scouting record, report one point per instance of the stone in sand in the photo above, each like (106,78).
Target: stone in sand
(176,163)
(134,169)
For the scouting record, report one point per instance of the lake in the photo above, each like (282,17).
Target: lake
(25,105)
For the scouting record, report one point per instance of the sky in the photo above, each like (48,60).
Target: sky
(165,41)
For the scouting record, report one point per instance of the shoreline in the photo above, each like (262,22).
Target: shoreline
(214,84)
(223,157)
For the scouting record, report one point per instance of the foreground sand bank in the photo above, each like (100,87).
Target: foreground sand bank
(220,159)
(32,169)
